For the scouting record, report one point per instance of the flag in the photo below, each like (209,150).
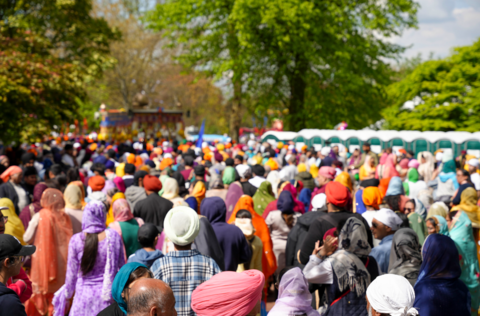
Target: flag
(200,135)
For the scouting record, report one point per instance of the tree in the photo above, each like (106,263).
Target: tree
(441,95)
(323,59)
(49,49)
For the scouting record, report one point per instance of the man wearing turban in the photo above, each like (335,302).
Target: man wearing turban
(185,268)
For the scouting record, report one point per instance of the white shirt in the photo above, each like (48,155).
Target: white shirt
(318,271)
(475,177)
(256,181)
(29,234)
(22,196)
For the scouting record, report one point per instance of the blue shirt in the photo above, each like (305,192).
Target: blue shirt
(183,271)
(381,253)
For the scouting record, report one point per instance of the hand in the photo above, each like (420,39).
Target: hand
(317,248)
(20,280)
(329,246)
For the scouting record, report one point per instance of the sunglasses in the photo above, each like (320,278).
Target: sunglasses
(409,209)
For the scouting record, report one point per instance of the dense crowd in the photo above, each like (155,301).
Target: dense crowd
(169,228)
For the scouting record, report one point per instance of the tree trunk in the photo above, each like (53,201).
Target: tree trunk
(297,79)
(235,111)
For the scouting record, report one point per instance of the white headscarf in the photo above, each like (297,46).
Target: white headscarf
(243,171)
(181,225)
(388,218)
(392,294)
(319,202)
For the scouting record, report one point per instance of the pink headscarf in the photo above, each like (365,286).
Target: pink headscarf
(229,293)
(327,172)
(389,171)
(413,164)
(404,163)
(121,210)
(120,184)
(299,206)
(10,172)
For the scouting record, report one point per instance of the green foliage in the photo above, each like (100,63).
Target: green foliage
(49,49)
(448,92)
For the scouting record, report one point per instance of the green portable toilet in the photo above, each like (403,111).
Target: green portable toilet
(420,145)
(376,145)
(397,142)
(271,137)
(316,140)
(445,144)
(472,147)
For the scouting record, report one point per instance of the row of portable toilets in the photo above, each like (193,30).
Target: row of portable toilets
(415,141)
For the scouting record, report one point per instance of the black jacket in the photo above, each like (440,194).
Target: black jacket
(319,227)
(112,310)
(248,188)
(10,302)
(8,191)
(153,209)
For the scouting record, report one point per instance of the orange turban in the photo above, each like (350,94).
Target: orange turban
(167,162)
(344,178)
(152,183)
(372,197)
(383,186)
(10,172)
(272,164)
(96,183)
(131,159)
(138,161)
(337,194)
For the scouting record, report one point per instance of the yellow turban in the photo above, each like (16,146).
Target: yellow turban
(301,167)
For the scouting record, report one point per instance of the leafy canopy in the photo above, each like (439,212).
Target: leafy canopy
(447,92)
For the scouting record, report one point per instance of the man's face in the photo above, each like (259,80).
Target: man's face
(69,152)
(366,148)
(12,265)
(379,230)
(430,228)
(322,180)
(17,178)
(237,162)
(2,223)
(31,179)
(472,169)
(30,163)
(335,149)
(460,177)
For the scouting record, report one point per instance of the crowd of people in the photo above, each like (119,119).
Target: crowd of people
(169,228)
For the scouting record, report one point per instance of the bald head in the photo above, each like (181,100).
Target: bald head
(151,297)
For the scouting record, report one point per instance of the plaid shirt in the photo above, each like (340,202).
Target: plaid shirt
(183,271)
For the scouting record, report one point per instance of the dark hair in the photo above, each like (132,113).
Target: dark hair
(61,181)
(229,162)
(432,221)
(393,202)
(111,153)
(404,219)
(73,175)
(129,169)
(68,147)
(188,160)
(137,274)
(452,214)
(340,225)
(239,157)
(111,192)
(413,202)
(56,170)
(98,167)
(258,170)
(243,214)
(51,184)
(89,253)
(367,144)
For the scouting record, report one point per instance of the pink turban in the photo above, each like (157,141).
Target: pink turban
(228,294)
(10,172)
(413,164)
(327,172)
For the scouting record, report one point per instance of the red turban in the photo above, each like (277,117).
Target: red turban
(228,293)
(10,172)
(152,183)
(96,183)
(327,172)
(337,194)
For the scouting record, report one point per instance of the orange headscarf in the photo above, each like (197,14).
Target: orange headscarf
(199,191)
(372,197)
(166,162)
(49,262)
(131,158)
(138,161)
(269,263)
(10,172)
(383,186)
(82,189)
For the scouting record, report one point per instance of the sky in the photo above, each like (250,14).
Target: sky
(442,25)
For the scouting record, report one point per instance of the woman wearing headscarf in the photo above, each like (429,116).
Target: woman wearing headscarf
(229,293)
(126,226)
(269,263)
(415,221)
(73,206)
(427,165)
(438,290)
(447,182)
(171,191)
(405,257)
(236,249)
(116,196)
(347,272)
(294,298)
(274,179)
(389,169)
(14,225)
(437,225)
(51,230)
(412,185)
(182,191)
(295,190)
(82,189)
(461,233)
(28,211)
(120,184)
(128,274)
(228,176)
(438,208)
(217,189)
(94,257)
(263,197)
(280,223)
(234,193)
(305,177)
(367,170)
(305,197)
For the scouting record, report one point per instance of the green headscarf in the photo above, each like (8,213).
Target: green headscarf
(418,225)
(442,223)
(412,176)
(462,234)
(449,166)
(121,280)
(228,175)
(263,197)
(162,180)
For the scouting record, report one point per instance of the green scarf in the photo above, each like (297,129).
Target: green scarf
(263,197)
(129,236)
(228,175)
(418,225)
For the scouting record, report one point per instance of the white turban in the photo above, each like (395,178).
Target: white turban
(181,225)
(325,151)
(439,156)
(319,201)
(473,162)
(447,157)
(98,196)
(243,170)
(393,295)
(388,218)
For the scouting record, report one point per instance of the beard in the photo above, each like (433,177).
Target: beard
(370,312)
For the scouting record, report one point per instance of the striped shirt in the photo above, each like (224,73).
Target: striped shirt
(183,271)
